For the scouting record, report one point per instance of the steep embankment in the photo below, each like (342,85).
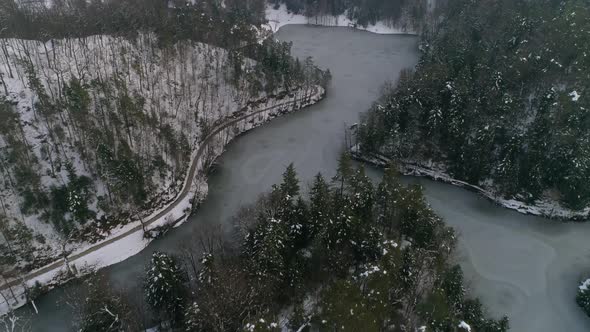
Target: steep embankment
(95,127)
(131,239)
(99,133)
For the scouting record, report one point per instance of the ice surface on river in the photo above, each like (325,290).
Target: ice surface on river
(523,266)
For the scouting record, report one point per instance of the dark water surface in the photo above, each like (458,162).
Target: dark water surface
(522,266)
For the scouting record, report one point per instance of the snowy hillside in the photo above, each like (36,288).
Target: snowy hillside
(99,131)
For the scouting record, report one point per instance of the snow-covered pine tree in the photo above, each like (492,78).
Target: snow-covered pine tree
(290,184)
(292,209)
(320,205)
(583,297)
(265,248)
(362,193)
(344,172)
(388,194)
(166,287)
(193,318)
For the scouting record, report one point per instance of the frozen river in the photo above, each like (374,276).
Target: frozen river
(525,267)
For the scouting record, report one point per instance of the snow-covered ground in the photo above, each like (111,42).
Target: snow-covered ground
(180,90)
(280,17)
(129,240)
(465,326)
(542,207)
(184,87)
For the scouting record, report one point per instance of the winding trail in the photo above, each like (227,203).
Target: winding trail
(317,94)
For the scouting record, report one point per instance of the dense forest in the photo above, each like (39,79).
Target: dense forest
(102,104)
(344,256)
(407,14)
(500,99)
(221,23)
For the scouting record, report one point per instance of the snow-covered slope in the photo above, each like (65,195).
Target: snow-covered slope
(120,112)
(111,112)
(175,92)
(129,240)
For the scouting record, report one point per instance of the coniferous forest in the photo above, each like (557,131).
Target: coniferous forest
(114,115)
(344,256)
(411,14)
(499,99)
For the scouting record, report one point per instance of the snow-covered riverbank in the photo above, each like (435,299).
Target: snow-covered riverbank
(129,240)
(280,17)
(545,208)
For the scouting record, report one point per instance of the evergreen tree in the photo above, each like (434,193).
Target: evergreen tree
(207,274)
(288,198)
(583,297)
(290,184)
(266,247)
(166,288)
(388,197)
(320,205)
(362,194)
(344,172)
(194,319)
(300,229)
(345,308)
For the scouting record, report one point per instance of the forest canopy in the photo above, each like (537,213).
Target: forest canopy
(363,12)
(500,97)
(215,22)
(102,104)
(345,255)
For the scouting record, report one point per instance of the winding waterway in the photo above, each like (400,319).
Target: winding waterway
(522,266)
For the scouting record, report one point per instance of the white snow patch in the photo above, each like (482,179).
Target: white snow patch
(575,95)
(465,326)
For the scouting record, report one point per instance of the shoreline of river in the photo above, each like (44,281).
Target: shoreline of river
(545,209)
(279,17)
(521,266)
(89,258)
